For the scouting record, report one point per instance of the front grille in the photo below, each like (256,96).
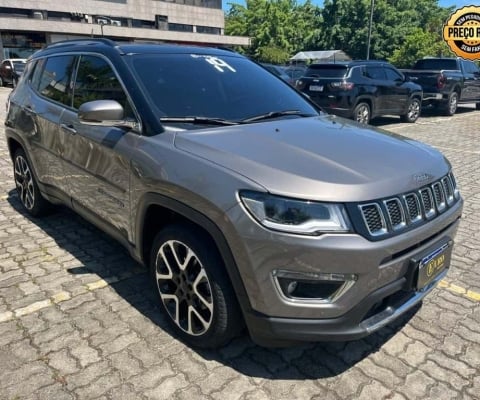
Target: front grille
(413,207)
(395,213)
(384,217)
(373,217)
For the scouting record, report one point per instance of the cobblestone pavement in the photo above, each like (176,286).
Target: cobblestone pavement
(78,319)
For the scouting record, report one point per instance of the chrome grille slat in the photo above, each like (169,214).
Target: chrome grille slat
(448,188)
(413,207)
(439,196)
(395,213)
(427,202)
(392,215)
(373,218)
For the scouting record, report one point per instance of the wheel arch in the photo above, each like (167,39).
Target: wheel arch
(13,145)
(156,211)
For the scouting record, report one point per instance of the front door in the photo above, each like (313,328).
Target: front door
(96,157)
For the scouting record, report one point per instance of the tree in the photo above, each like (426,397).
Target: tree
(278,28)
(346,24)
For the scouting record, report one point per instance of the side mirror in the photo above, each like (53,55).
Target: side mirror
(104,113)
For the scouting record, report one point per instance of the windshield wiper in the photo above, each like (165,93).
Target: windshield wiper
(199,120)
(275,114)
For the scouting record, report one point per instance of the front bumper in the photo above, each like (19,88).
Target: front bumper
(387,303)
(382,292)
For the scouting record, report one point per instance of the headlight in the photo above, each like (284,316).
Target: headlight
(295,216)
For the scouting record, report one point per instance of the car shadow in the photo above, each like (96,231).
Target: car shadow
(427,113)
(96,253)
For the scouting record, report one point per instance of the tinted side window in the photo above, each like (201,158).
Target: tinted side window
(97,81)
(469,67)
(392,75)
(375,72)
(55,79)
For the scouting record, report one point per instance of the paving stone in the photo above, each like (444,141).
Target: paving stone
(167,389)
(416,385)
(63,362)
(375,390)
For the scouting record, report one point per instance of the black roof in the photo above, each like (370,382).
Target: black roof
(107,45)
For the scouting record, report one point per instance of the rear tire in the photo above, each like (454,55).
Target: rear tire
(451,105)
(193,287)
(27,187)
(477,106)
(413,111)
(361,113)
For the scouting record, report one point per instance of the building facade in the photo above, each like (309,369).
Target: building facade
(28,25)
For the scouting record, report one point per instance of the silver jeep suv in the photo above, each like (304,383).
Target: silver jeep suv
(249,205)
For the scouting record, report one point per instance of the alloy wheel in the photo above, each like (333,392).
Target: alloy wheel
(184,287)
(362,114)
(413,110)
(24,182)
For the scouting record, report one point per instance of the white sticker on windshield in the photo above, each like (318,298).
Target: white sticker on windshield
(218,63)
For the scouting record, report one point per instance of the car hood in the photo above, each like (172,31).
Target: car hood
(320,158)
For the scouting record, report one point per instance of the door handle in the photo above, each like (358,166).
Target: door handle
(69,128)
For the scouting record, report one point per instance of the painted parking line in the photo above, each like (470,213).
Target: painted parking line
(64,296)
(469,294)
(102,283)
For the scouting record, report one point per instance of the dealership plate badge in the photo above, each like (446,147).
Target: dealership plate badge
(433,264)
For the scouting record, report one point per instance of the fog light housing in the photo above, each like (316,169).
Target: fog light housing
(311,286)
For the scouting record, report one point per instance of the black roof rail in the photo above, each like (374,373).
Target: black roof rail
(82,42)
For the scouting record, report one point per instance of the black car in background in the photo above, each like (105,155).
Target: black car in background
(295,72)
(277,70)
(10,71)
(362,90)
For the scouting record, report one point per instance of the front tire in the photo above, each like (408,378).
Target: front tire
(413,111)
(477,106)
(362,113)
(194,289)
(27,187)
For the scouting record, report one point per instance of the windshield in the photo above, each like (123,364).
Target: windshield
(223,87)
(19,66)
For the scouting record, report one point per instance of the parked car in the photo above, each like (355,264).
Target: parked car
(447,82)
(10,71)
(362,90)
(277,70)
(250,207)
(295,72)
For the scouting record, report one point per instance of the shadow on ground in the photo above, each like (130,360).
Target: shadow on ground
(428,113)
(99,254)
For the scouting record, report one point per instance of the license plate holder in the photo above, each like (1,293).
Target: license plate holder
(428,267)
(316,88)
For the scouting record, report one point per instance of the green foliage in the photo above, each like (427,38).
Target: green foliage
(402,30)
(282,25)
(417,45)
(273,55)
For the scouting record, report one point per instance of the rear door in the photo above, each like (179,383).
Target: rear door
(46,99)
(97,157)
(375,74)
